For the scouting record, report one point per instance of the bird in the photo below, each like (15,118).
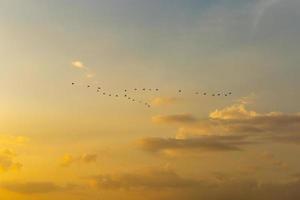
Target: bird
(99,88)
(204,93)
(135,89)
(109,95)
(103,93)
(125,95)
(73,83)
(179,91)
(125,90)
(116,95)
(219,94)
(213,95)
(144,89)
(88,86)
(156,89)
(229,93)
(225,95)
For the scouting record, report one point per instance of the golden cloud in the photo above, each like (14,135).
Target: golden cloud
(35,187)
(68,159)
(163,101)
(78,64)
(227,129)
(7,161)
(144,179)
(179,118)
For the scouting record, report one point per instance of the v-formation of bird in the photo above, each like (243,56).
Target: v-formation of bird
(131,98)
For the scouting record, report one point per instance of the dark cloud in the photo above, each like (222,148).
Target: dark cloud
(204,143)
(237,120)
(148,179)
(179,118)
(167,185)
(34,187)
(228,129)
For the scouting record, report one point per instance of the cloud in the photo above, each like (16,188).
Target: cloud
(78,64)
(179,118)
(238,120)
(198,144)
(7,161)
(152,179)
(35,187)
(228,129)
(237,111)
(68,159)
(168,185)
(261,8)
(163,101)
(11,140)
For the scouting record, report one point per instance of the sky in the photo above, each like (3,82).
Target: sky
(62,140)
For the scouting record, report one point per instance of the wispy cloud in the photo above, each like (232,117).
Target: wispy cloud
(177,118)
(7,162)
(196,144)
(80,65)
(68,159)
(261,8)
(152,179)
(11,140)
(35,187)
(164,101)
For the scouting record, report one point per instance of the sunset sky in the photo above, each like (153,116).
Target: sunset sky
(62,141)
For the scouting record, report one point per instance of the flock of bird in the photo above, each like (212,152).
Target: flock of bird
(126,93)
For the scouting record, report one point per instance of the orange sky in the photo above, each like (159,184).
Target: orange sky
(59,140)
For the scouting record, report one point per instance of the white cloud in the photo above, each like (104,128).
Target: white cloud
(78,64)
